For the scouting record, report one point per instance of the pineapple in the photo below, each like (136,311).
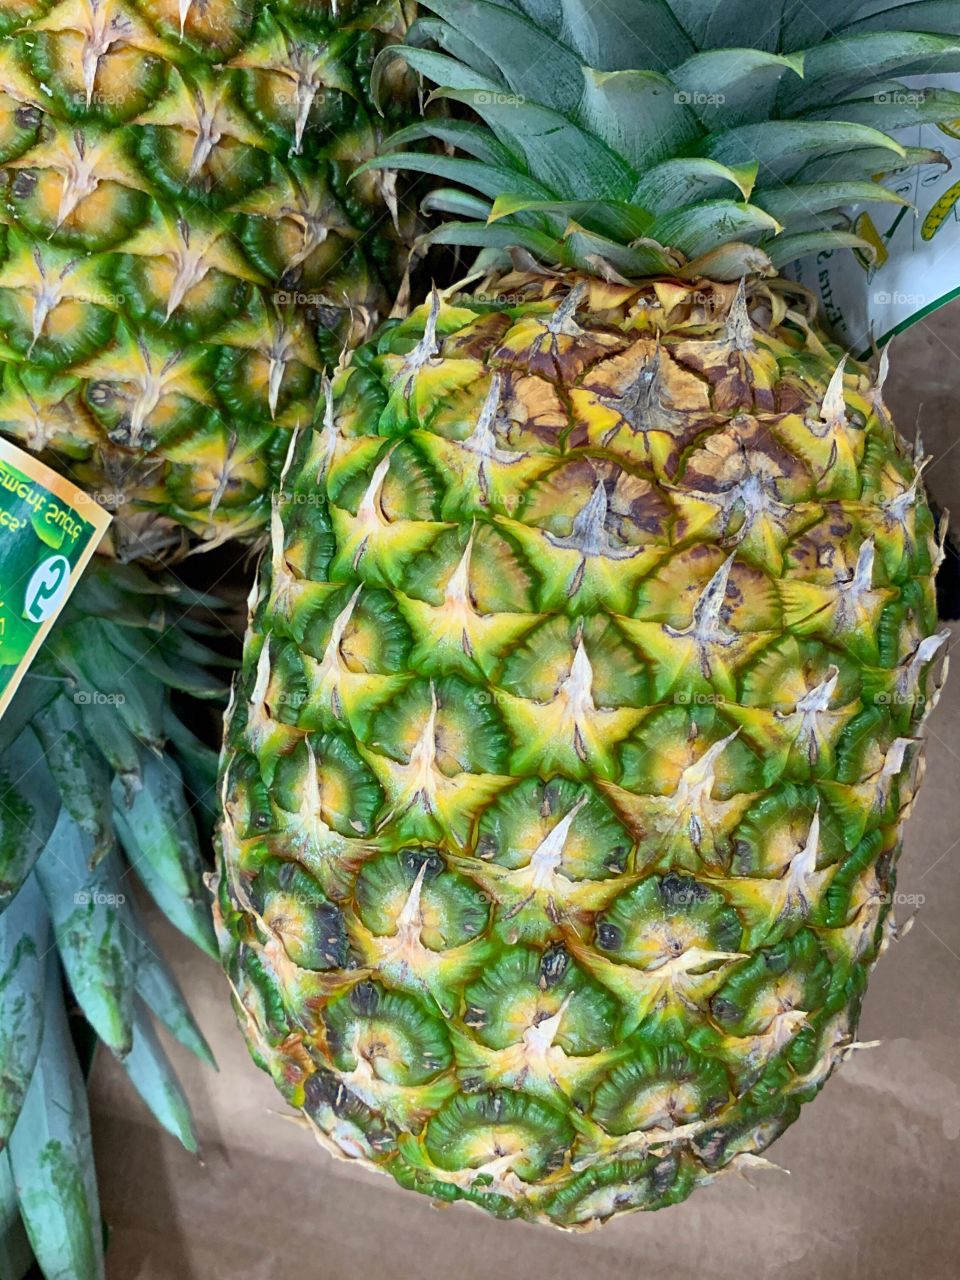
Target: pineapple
(91,787)
(579,715)
(183,249)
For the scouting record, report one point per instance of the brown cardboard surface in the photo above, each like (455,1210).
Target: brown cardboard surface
(874,1162)
(922,395)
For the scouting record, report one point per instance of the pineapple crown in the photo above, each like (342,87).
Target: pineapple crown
(640,137)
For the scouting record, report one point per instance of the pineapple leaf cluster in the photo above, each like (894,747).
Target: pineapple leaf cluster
(93,811)
(647,141)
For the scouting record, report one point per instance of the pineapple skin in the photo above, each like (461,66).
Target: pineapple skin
(564,781)
(181,249)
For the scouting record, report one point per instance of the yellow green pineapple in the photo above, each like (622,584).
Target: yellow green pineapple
(582,694)
(183,248)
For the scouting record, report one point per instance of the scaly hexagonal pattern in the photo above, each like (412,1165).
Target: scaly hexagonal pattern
(181,248)
(578,720)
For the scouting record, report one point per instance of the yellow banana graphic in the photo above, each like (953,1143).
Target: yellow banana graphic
(939,211)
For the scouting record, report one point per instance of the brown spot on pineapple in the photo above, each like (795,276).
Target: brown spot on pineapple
(476,340)
(27,117)
(636,512)
(558,343)
(748,450)
(818,555)
(23,185)
(638,392)
(297,1063)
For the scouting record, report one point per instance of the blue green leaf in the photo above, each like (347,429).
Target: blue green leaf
(153,1078)
(24,940)
(51,1154)
(88,910)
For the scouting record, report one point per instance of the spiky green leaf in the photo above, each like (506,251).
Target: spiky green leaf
(51,1154)
(733,86)
(570,161)
(502,235)
(92,928)
(456,203)
(437,67)
(529,62)
(489,180)
(156,826)
(468,138)
(895,110)
(596,253)
(690,179)
(24,941)
(29,805)
(781,146)
(640,115)
(152,1076)
(618,219)
(191,915)
(789,204)
(853,58)
(697,230)
(720,24)
(16,1256)
(82,776)
(158,989)
(620,34)
(789,248)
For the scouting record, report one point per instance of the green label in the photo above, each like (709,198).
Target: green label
(48,531)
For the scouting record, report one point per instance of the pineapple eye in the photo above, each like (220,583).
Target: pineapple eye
(450,909)
(528,986)
(773,988)
(102,211)
(327,782)
(295,909)
(125,82)
(355,1127)
(19,125)
(464,732)
(389,1034)
(371,637)
(502,1131)
(667,917)
(660,1088)
(214,31)
(531,826)
(54,318)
